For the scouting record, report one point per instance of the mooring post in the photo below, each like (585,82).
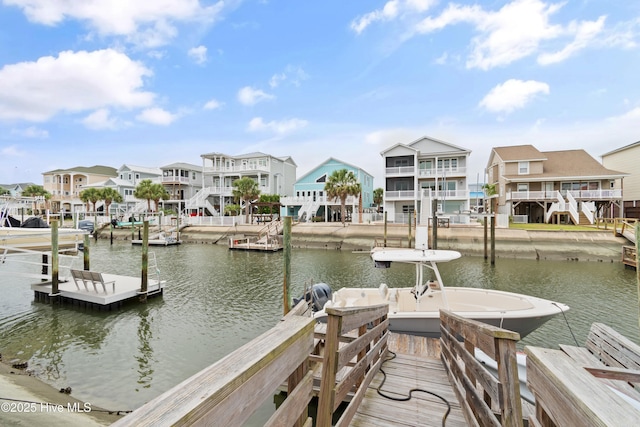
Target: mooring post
(410,219)
(111,228)
(434,225)
(85,252)
(145,262)
(54,258)
(287,262)
(493,238)
(385,229)
(486,237)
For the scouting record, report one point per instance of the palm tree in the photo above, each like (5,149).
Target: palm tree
(37,191)
(378,194)
(144,191)
(245,189)
(158,192)
(90,195)
(110,195)
(341,184)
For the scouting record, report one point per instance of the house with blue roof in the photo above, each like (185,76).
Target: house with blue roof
(309,201)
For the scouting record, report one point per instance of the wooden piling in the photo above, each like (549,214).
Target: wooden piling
(486,238)
(54,258)
(493,238)
(45,264)
(145,263)
(410,220)
(385,229)
(434,224)
(85,252)
(286,240)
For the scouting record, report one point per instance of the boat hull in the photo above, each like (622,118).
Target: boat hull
(13,239)
(407,314)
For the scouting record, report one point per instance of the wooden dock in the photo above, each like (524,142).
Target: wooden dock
(630,256)
(352,355)
(117,290)
(268,239)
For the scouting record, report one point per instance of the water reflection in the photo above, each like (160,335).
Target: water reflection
(216,300)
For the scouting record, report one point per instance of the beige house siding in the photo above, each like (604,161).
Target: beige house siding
(626,160)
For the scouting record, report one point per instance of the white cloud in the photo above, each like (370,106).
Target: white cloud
(280,127)
(250,96)
(156,116)
(390,11)
(292,73)
(585,33)
(12,151)
(31,132)
(213,104)
(198,54)
(631,118)
(512,94)
(149,23)
(72,82)
(276,79)
(100,119)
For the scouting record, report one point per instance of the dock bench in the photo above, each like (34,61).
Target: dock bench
(91,277)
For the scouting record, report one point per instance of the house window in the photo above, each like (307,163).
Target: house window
(407,208)
(523,187)
(193,175)
(523,168)
(129,177)
(323,178)
(137,176)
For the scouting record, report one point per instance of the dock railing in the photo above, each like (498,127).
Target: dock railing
(350,361)
(228,392)
(485,400)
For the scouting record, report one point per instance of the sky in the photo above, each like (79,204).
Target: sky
(150,83)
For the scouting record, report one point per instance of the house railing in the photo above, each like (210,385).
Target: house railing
(484,399)
(400,170)
(359,358)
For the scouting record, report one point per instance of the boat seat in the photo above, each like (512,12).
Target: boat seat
(406,301)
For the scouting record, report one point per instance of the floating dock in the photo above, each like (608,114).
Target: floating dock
(119,289)
(159,242)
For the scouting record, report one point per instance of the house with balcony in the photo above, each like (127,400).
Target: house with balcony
(566,186)
(422,172)
(626,159)
(274,175)
(310,202)
(182,181)
(65,185)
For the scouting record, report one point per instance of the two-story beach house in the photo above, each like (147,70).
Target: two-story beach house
(566,186)
(182,181)
(424,171)
(274,175)
(627,159)
(65,185)
(310,202)
(129,176)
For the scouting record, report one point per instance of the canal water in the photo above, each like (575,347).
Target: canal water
(216,300)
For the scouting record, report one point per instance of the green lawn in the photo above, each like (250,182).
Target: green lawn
(552,227)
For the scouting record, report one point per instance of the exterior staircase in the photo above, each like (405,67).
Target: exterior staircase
(200,200)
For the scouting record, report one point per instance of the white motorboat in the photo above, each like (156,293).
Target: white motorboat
(18,239)
(416,310)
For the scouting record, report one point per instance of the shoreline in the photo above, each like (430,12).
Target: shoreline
(29,401)
(569,245)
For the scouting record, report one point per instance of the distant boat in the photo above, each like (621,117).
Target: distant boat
(161,240)
(416,310)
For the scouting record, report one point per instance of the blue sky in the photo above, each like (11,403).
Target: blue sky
(149,83)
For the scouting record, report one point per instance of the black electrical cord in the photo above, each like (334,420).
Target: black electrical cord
(567,322)
(406,398)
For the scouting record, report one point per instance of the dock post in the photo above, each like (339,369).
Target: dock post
(385,229)
(434,225)
(85,253)
(145,262)
(486,237)
(111,228)
(493,238)
(286,240)
(54,258)
(410,219)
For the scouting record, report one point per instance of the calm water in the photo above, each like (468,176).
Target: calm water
(216,300)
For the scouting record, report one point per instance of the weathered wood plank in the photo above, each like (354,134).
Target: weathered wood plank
(569,395)
(235,378)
